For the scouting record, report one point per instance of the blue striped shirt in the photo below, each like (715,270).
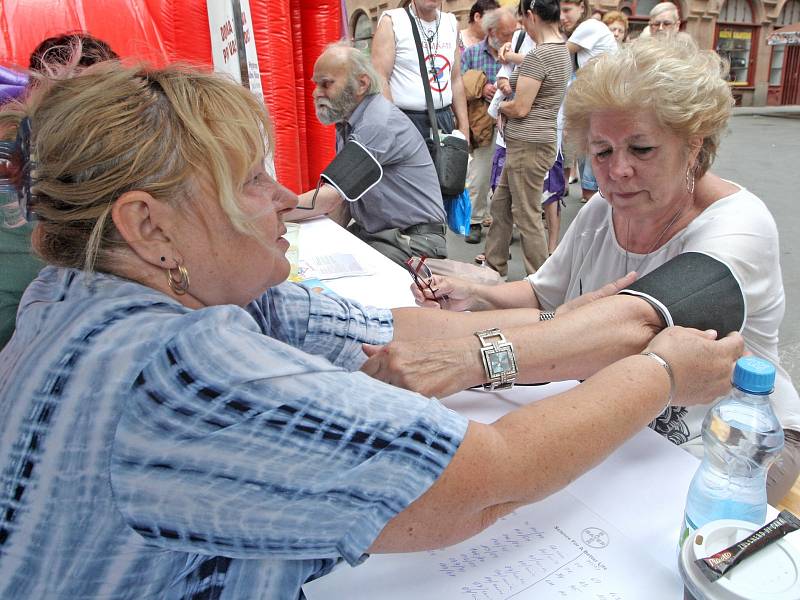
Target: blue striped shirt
(152,451)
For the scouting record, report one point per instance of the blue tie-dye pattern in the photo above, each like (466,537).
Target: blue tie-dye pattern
(152,451)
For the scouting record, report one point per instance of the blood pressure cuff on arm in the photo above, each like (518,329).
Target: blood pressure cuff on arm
(694,290)
(353,171)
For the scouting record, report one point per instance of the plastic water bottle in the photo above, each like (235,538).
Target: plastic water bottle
(742,438)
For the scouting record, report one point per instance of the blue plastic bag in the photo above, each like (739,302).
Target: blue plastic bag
(459,210)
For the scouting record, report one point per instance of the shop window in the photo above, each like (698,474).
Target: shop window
(736,40)
(736,11)
(790,13)
(776,65)
(362,32)
(643,7)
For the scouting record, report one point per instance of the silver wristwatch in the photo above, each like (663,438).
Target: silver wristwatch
(498,358)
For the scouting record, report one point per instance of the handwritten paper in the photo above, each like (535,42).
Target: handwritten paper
(331,266)
(557,548)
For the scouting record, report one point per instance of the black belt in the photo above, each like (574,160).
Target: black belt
(439,228)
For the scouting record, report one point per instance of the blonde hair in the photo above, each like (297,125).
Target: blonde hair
(113,129)
(670,78)
(613,16)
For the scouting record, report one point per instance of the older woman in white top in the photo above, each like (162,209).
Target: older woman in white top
(650,117)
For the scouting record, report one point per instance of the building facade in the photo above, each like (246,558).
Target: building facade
(738,29)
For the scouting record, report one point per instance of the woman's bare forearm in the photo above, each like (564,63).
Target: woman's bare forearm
(436,353)
(569,347)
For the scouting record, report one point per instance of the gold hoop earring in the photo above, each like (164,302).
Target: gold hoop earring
(690,180)
(178,284)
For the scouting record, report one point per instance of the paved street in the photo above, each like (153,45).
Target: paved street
(760,152)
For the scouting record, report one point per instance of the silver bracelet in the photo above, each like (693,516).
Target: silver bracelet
(547,315)
(668,369)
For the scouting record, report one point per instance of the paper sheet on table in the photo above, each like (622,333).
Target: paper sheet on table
(331,266)
(555,549)
(640,488)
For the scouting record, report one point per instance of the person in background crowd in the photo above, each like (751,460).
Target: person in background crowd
(651,117)
(18,265)
(588,38)
(180,422)
(479,65)
(402,215)
(664,19)
(597,14)
(511,55)
(555,186)
(475,31)
(394,55)
(530,134)
(617,23)
(62,49)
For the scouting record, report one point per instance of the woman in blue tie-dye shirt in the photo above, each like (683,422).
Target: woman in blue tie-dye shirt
(177,421)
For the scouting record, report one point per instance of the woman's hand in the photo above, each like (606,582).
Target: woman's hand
(609,289)
(430,367)
(702,367)
(506,55)
(501,53)
(458,291)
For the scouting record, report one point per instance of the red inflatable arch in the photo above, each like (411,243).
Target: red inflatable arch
(289,34)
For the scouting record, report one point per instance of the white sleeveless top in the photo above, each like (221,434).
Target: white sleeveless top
(405,81)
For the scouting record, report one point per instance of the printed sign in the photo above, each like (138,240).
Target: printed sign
(233,45)
(736,35)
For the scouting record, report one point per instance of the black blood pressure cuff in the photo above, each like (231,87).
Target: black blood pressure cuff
(353,171)
(694,290)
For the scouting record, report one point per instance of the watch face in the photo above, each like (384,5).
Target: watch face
(500,362)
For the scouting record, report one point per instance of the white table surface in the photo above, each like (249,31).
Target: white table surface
(640,488)
(388,287)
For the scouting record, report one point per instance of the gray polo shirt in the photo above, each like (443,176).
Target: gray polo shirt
(409,192)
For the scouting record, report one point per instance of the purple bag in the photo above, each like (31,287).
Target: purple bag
(12,84)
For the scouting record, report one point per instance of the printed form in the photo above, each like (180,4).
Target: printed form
(554,549)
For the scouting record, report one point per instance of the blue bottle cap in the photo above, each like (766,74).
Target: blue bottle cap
(754,375)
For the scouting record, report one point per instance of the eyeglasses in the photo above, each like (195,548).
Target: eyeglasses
(423,276)
(661,24)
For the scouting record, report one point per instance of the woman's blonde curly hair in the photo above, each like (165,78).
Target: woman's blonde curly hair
(683,87)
